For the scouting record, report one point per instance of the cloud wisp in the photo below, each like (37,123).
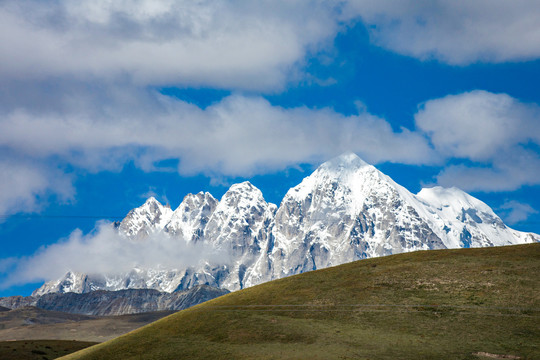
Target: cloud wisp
(25,184)
(515,212)
(105,251)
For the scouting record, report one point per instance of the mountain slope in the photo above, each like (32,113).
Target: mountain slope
(444,304)
(346,210)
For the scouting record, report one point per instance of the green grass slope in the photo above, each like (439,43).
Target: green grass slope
(447,304)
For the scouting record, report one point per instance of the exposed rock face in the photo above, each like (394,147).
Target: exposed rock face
(102,303)
(345,211)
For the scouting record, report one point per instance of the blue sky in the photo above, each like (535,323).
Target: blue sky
(103,104)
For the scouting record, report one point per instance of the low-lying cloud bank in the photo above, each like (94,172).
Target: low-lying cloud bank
(106,251)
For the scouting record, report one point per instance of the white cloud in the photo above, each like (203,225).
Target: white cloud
(488,135)
(106,252)
(478,124)
(455,32)
(226,44)
(237,136)
(259,45)
(515,212)
(102,127)
(516,169)
(26,186)
(74,77)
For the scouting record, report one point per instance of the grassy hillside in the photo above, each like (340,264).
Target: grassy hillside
(448,304)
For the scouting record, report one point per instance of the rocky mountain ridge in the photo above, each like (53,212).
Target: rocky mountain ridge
(106,303)
(346,210)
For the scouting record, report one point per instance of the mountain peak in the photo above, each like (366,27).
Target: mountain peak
(346,210)
(453,197)
(346,177)
(152,201)
(246,185)
(348,160)
(152,215)
(245,192)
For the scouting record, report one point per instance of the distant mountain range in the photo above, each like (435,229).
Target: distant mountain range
(106,303)
(346,210)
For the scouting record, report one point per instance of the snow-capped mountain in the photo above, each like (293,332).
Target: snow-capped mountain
(190,218)
(345,211)
(150,218)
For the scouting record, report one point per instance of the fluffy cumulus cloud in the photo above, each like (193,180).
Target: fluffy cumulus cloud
(490,138)
(226,44)
(494,136)
(454,32)
(239,135)
(106,251)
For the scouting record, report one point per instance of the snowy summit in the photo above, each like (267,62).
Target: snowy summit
(346,210)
